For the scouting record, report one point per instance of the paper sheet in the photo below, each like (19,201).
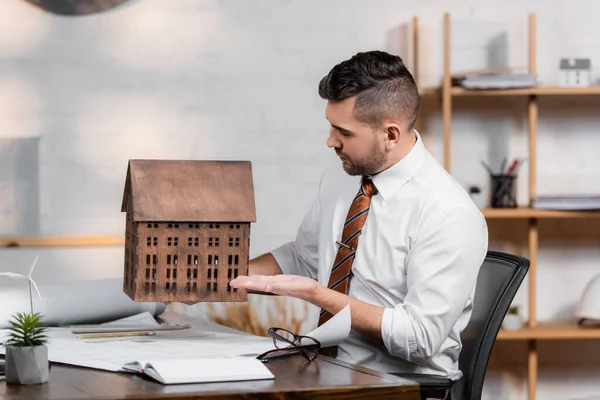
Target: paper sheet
(93,301)
(144,319)
(112,353)
(334,331)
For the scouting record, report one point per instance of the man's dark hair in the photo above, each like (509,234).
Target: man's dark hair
(382,84)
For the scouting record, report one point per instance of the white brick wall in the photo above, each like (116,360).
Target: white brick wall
(238,80)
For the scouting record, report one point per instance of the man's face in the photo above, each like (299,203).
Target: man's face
(360,147)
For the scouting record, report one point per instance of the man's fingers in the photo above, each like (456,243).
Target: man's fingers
(274,284)
(252,278)
(249,284)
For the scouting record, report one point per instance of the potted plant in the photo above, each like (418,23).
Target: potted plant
(512,320)
(477,196)
(26,350)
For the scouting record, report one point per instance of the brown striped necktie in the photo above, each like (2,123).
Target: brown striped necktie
(342,266)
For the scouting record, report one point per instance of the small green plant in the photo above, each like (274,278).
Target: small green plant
(26,330)
(513,310)
(474,189)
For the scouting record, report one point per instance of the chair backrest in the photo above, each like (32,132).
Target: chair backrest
(497,283)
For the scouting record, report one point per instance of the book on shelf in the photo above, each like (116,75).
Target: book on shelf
(201,370)
(509,80)
(566,202)
(588,323)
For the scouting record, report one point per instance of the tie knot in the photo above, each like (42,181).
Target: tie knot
(368,186)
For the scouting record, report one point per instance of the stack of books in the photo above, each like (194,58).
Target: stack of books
(487,81)
(567,202)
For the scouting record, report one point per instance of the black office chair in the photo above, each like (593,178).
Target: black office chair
(497,283)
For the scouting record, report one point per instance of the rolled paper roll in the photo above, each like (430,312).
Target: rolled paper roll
(80,302)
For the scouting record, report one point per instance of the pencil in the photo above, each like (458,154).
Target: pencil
(113,335)
(132,329)
(488,169)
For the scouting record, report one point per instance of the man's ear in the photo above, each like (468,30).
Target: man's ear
(393,132)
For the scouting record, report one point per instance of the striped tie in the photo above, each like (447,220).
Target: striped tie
(342,266)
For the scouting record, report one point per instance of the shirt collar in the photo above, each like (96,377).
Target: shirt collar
(391,179)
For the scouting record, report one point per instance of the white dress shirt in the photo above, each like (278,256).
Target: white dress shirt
(418,257)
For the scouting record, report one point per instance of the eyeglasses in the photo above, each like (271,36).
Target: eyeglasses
(288,343)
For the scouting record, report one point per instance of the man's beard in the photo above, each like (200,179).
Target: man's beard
(367,165)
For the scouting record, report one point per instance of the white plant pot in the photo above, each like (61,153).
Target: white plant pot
(512,322)
(27,365)
(479,200)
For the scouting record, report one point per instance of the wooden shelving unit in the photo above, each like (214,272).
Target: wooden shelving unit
(551,330)
(62,241)
(523,213)
(536,91)
(535,330)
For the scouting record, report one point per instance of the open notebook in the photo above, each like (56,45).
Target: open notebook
(201,370)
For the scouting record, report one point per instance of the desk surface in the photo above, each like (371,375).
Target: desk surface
(295,378)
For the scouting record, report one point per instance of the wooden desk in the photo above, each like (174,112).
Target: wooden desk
(295,378)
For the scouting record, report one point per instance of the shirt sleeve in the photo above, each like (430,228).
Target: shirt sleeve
(441,268)
(300,256)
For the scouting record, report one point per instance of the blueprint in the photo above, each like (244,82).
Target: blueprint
(205,341)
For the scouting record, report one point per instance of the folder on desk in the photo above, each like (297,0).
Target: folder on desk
(201,370)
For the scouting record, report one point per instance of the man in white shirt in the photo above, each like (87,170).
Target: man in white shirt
(411,264)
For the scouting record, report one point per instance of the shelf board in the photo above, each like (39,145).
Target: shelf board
(539,91)
(551,330)
(524,212)
(430,91)
(54,241)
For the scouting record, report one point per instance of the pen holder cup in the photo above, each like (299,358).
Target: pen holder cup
(503,193)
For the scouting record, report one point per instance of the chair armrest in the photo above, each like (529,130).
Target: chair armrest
(428,382)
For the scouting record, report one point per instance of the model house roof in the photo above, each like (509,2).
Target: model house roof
(575,63)
(194,190)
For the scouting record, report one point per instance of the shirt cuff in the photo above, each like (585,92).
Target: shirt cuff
(397,336)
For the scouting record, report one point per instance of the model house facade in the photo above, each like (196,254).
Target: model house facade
(187,229)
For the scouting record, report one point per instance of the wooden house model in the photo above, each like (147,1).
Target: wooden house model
(187,232)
